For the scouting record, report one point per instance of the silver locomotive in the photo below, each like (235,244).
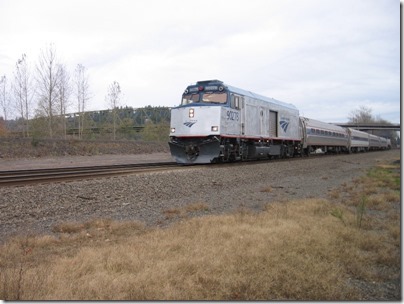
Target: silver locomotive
(217,122)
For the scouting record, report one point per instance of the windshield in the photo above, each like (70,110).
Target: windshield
(214,97)
(190,98)
(206,98)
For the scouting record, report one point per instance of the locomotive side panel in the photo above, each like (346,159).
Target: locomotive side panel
(270,120)
(230,122)
(252,120)
(288,125)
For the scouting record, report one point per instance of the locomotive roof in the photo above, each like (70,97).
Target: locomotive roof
(261,97)
(246,93)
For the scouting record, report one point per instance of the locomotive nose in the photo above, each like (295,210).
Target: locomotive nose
(195,152)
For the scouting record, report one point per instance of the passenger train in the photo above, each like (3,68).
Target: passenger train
(216,122)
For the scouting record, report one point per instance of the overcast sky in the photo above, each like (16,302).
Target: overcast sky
(326,57)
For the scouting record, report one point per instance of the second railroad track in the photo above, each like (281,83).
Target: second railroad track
(34,176)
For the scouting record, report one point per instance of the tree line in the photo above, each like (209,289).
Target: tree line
(40,97)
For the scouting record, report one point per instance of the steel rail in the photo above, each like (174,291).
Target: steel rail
(23,177)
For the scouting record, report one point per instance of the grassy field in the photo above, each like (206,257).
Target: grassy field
(344,248)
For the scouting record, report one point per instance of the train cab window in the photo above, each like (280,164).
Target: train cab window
(214,97)
(235,102)
(190,98)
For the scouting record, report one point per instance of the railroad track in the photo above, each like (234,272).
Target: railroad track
(35,176)
(24,177)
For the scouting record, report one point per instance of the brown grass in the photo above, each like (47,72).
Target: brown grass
(299,250)
(184,212)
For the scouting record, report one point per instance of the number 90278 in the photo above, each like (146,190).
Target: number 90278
(231,115)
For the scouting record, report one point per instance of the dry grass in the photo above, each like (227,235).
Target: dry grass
(186,211)
(28,147)
(301,250)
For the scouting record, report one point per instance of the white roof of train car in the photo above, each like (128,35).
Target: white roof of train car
(312,123)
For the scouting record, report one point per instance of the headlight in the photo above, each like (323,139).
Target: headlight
(191,113)
(172,130)
(215,128)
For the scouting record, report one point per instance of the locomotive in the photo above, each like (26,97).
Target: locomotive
(216,122)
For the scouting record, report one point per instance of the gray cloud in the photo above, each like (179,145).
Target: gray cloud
(323,56)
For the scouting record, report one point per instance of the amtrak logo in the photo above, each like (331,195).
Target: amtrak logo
(284,124)
(189,123)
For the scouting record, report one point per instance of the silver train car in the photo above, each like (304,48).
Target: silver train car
(320,135)
(358,141)
(216,122)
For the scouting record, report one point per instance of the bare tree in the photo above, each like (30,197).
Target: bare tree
(113,99)
(361,115)
(47,82)
(23,92)
(4,97)
(64,90)
(82,93)
(364,115)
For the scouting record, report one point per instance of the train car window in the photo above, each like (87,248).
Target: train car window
(214,97)
(313,131)
(322,132)
(190,98)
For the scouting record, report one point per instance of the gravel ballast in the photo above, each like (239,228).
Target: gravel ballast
(150,197)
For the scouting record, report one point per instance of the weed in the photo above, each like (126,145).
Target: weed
(360,212)
(339,214)
(334,194)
